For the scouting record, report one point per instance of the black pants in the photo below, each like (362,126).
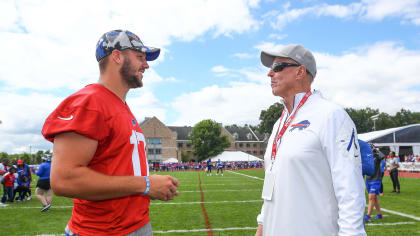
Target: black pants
(381,190)
(394,178)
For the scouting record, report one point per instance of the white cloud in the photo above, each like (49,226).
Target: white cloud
(50,45)
(277,36)
(219,69)
(241,103)
(58,49)
(243,55)
(381,76)
(146,105)
(408,10)
(22,119)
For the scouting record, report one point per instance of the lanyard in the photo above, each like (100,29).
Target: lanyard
(286,124)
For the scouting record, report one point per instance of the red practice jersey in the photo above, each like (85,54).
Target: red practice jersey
(99,114)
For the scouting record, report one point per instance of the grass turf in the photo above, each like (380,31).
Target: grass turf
(232,201)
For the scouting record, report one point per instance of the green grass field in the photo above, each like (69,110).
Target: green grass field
(232,203)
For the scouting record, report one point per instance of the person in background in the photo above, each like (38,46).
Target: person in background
(22,188)
(383,165)
(219,167)
(209,167)
(43,189)
(393,165)
(9,182)
(3,170)
(373,185)
(24,170)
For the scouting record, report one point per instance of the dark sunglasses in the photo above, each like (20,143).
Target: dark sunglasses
(279,66)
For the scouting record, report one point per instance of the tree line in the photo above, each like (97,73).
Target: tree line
(365,119)
(27,158)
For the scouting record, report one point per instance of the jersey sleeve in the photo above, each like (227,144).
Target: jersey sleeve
(81,114)
(339,143)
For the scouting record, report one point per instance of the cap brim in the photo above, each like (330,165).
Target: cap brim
(151,52)
(267,59)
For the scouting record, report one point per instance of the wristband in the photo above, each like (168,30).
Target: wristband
(147,185)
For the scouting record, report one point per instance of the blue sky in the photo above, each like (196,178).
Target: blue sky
(367,55)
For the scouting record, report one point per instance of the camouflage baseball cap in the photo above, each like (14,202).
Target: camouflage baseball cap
(121,40)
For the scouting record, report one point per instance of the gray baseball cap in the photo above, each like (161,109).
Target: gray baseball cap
(121,40)
(292,51)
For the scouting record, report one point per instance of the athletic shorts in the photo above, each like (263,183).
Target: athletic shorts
(43,184)
(373,186)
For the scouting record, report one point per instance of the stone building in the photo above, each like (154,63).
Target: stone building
(164,142)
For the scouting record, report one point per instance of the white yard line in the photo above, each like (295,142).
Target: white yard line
(385,224)
(401,214)
(204,230)
(231,229)
(249,176)
(385,210)
(153,203)
(222,190)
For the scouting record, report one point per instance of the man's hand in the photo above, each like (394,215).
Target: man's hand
(163,187)
(259,230)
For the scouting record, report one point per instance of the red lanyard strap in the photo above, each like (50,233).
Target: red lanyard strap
(286,124)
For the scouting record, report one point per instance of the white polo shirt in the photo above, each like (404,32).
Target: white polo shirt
(319,188)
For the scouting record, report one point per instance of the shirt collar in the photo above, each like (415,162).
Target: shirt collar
(298,97)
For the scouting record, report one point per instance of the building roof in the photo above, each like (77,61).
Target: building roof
(182,132)
(404,134)
(244,134)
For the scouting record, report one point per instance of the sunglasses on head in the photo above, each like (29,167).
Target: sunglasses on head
(279,66)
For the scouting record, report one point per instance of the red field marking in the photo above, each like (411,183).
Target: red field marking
(206,217)
(406,174)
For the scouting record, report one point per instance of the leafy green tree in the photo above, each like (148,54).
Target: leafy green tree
(269,117)
(362,118)
(207,139)
(186,156)
(406,117)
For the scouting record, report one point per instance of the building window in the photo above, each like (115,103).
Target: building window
(235,136)
(180,145)
(240,145)
(261,152)
(249,152)
(151,151)
(254,145)
(188,144)
(255,152)
(158,151)
(249,136)
(154,140)
(248,145)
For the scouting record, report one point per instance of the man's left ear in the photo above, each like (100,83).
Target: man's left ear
(301,73)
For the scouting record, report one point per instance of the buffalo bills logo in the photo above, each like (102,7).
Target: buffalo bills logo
(301,125)
(134,122)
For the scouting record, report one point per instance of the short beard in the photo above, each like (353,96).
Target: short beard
(127,75)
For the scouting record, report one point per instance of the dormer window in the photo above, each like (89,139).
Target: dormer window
(249,136)
(235,136)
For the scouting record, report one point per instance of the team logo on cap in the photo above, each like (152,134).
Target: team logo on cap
(301,125)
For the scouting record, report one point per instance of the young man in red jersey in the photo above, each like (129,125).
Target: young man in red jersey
(99,147)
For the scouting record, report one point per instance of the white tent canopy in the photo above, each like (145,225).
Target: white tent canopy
(235,156)
(171,160)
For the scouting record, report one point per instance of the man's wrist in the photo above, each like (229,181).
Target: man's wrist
(147,185)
